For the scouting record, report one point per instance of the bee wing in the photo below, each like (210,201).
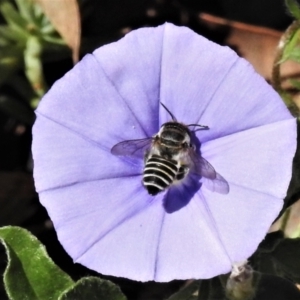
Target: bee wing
(211,179)
(201,166)
(134,148)
(219,184)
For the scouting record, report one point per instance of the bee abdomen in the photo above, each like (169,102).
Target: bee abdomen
(159,173)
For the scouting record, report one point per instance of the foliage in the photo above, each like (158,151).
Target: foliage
(32,275)
(288,49)
(27,36)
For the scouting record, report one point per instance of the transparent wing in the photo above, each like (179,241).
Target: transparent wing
(210,178)
(133,148)
(219,184)
(201,166)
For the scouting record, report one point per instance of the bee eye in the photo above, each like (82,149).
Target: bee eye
(185,145)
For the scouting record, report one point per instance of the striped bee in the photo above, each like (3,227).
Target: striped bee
(170,156)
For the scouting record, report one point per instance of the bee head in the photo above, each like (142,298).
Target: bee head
(175,132)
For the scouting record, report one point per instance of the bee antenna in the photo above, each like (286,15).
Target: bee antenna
(172,116)
(198,125)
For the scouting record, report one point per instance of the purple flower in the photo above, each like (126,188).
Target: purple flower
(104,217)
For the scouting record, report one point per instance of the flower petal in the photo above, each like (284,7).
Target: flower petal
(259,158)
(189,245)
(139,86)
(213,232)
(73,158)
(160,254)
(105,84)
(87,93)
(98,208)
(205,83)
(200,241)
(241,218)
(130,250)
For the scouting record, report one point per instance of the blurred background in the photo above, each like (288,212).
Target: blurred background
(41,40)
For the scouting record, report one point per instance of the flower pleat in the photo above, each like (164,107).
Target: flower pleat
(75,158)
(243,150)
(206,84)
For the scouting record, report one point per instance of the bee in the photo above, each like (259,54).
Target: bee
(169,156)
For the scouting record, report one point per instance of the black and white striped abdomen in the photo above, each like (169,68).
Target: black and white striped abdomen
(159,173)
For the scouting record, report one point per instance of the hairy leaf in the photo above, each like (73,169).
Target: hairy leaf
(30,273)
(293,192)
(279,256)
(187,292)
(93,288)
(274,288)
(294,8)
(211,289)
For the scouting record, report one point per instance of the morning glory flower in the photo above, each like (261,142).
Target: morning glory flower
(104,217)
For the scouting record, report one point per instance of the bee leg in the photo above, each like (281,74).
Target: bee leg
(146,156)
(182,171)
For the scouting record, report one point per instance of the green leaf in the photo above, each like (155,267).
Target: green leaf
(290,48)
(54,40)
(93,288)
(271,241)
(34,66)
(278,256)
(3,42)
(10,52)
(13,18)
(295,83)
(270,287)
(47,29)
(211,289)
(26,10)
(30,273)
(10,61)
(12,35)
(295,55)
(286,255)
(294,8)
(293,191)
(187,292)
